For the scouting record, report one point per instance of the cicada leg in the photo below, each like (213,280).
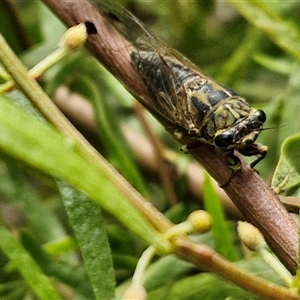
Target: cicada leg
(255,149)
(188,147)
(232,161)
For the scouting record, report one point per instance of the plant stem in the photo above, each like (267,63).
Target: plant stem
(44,104)
(207,259)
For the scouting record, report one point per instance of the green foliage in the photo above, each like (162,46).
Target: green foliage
(220,230)
(109,129)
(286,179)
(89,228)
(51,193)
(204,285)
(30,271)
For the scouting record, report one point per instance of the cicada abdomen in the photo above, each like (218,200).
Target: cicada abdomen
(198,106)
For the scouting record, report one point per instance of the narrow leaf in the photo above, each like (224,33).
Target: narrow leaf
(262,15)
(221,232)
(31,272)
(87,223)
(67,273)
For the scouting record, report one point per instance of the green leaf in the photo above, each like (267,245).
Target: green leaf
(22,194)
(12,290)
(63,245)
(88,225)
(221,232)
(236,66)
(290,107)
(73,276)
(281,31)
(39,145)
(282,121)
(282,66)
(286,178)
(31,272)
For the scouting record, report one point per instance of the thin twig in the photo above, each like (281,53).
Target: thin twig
(205,258)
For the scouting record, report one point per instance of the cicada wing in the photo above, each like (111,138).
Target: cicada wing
(162,77)
(153,61)
(127,24)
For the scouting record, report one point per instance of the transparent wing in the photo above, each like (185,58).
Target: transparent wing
(162,70)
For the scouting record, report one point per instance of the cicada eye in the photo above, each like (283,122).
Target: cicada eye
(260,116)
(224,139)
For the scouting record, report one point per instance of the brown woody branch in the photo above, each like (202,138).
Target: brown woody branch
(248,191)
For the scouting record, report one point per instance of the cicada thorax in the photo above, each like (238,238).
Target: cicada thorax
(226,114)
(213,107)
(198,106)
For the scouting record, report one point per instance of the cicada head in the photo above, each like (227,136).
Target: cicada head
(234,125)
(243,133)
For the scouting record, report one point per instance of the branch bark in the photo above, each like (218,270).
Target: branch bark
(247,189)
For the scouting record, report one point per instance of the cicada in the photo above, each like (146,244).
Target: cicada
(187,100)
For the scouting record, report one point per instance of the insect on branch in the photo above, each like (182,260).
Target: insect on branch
(252,196)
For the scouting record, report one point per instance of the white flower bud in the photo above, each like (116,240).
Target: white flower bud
(200,220)
(135,292)
(250,236)
(74,37)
